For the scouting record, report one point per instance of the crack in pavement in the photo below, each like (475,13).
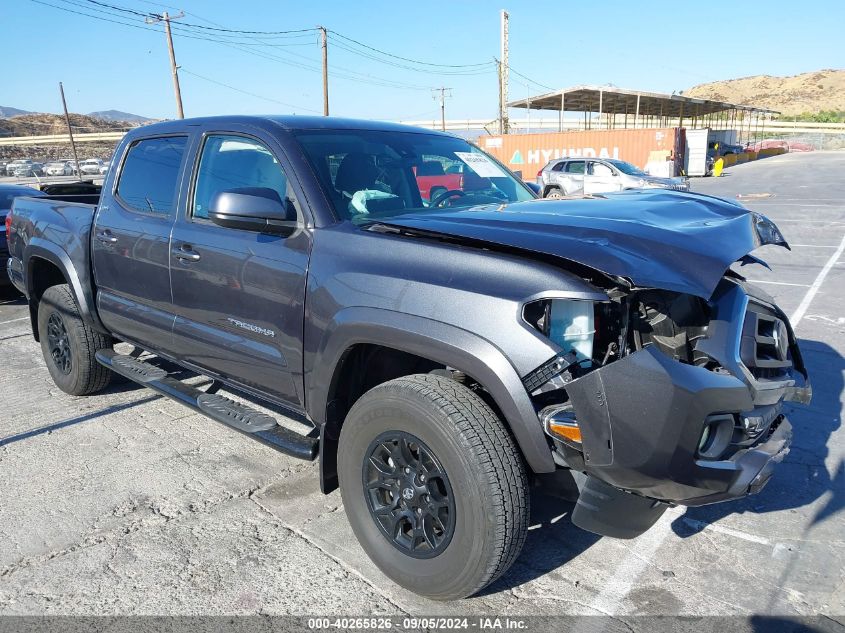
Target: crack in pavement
(347,568)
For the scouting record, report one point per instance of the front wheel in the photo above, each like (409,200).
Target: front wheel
(433,486)
(69,344)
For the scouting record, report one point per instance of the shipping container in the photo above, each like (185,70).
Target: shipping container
(529,153)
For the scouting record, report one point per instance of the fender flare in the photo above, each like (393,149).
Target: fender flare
(43,249)
(442,343)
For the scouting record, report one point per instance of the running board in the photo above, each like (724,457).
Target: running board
(240,417)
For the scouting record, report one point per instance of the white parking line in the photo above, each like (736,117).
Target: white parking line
(15,320)
(715,527)
(808,298)
(640,553)
(777,283)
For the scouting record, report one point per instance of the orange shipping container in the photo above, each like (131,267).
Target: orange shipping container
(529,153)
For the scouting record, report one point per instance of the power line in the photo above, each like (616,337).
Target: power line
(251,94)
(351,76)
(476,71)
(536,83)
(202,26)
(407,59)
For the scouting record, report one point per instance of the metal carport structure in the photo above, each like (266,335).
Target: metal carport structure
(638,109)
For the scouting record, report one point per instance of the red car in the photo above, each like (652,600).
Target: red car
(433,180)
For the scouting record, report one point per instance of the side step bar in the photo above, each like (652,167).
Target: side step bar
(257,425)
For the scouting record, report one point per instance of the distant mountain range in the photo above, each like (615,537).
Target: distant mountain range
(117,115)
(7,112)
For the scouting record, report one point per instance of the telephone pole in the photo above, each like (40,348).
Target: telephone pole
(69,130)
(325,47)
(503,75)
(174,69)
(443,95)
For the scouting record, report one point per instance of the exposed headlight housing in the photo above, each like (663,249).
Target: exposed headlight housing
(569,323)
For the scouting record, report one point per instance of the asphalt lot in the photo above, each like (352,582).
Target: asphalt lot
(127,503)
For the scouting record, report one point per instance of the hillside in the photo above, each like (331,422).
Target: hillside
(44,124)
(822,90)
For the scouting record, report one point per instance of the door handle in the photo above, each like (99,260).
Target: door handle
(186,254)
(106,237)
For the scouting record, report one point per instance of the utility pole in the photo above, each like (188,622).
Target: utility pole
(325,46)
(499,91)
(503,74)
(69,130)
(443,95)
(174,69)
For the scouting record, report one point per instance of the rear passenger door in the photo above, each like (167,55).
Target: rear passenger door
(572,176)
(131,242)
(239,294)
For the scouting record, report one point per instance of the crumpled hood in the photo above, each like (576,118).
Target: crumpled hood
(660,239)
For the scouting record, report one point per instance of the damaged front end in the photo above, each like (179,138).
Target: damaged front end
(661,398)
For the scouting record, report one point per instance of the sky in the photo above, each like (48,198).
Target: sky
(651,46)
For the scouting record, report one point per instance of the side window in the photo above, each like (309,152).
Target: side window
(575,167)
(233,162)
(600,169)
(558,166)
(150,174)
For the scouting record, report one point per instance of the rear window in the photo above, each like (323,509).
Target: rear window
(150,174)
(575,167)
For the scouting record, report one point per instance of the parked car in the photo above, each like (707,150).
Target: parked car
(436,354)
(433,180)
(568,176)
(15,164)
(7,195)
(3,164)
(60,168)
(105,167)
(28,169)
(91,166)
(716,149)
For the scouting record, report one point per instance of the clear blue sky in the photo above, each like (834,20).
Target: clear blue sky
(658,46)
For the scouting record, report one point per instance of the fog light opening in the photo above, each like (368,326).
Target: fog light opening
(715,436)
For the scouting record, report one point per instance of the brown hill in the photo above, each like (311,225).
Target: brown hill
(811,92)
(45,124)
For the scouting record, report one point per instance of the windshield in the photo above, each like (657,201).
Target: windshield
(372,175)
(627,168)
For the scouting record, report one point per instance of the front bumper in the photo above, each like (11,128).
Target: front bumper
(642,417)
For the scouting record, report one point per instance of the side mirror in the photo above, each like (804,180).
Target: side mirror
(253,209)
(533,186)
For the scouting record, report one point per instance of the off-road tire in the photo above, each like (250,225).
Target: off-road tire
(484,468)
(86,375)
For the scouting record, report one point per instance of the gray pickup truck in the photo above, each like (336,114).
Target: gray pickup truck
(439,353)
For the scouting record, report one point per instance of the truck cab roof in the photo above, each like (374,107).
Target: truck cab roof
(284,122)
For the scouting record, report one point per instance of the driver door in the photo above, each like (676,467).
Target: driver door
(601,178)
(239,294)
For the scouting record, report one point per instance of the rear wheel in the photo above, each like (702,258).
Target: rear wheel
(554,193)
(433,485)
(69,345)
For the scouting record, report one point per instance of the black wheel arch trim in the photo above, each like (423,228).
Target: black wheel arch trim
(83,294)
(436,341)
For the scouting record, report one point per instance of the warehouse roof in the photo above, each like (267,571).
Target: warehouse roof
(615,100)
